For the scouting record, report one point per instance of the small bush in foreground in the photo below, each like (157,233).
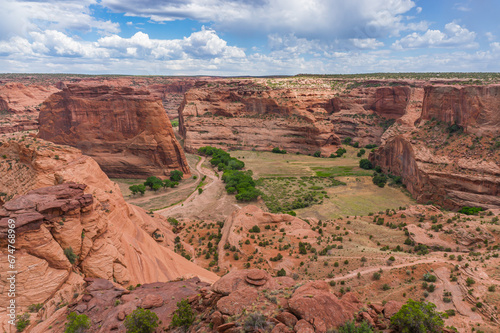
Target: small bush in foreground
(141,321)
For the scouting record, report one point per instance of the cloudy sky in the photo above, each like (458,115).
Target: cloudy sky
(248,37)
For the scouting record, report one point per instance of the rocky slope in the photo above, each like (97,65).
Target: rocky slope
(112,239)
(451,156)
(125,130)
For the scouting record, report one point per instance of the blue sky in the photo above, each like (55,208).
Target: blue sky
(252,37)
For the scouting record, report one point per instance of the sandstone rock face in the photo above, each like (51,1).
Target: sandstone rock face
(125,130)
(441,164)
(314,303)
(248,115)
(252,114)
(108,235)
(475,108)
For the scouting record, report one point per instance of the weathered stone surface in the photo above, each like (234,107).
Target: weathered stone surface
(151,301)
(287,318)
(237,301)
(391,308)
(314,303)
(125,130)
(303,326)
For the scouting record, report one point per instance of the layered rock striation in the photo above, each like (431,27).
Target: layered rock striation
(125,130)
(451,156)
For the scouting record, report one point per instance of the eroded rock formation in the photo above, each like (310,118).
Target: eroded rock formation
(125,130)
(452,156)
(112,239)
(248,115)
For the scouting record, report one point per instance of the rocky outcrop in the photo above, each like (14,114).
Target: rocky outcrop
(476,108)
(238,224)
(125,130)
(112,239)
(247,115)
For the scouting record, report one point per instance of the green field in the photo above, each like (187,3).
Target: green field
(288,178)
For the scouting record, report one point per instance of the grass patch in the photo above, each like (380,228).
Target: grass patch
(282,194)
(340,171)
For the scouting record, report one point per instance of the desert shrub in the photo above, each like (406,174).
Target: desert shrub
(142,321)
(455,128)
(376,276)
(429,277)
(317,153)
(469,281)
(347,141)
(276,150)
(417,317)
(200,190)
(365,164)
(77,323)
(385,286)
(33,308)
(281,272)
(350,327)
(22,321)
(255,229)
(183,315)
(370,146)
(255,322)
(379,179)
(72,257)
(491,288)
(176,175)
(340,152)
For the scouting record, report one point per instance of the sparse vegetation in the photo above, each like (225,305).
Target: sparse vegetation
(77,323)
(141,321)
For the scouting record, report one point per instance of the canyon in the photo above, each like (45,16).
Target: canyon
(82,247)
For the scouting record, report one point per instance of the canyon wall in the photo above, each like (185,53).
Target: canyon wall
(125,130)
(452,156)
(299,117)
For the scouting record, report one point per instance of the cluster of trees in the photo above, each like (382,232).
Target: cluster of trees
(338,153)
(155,183)
(237,182)
(221,159)
(470,210)
(379,178)
(276,150)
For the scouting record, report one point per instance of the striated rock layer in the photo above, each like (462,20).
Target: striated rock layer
(247,115)
(61,199)
(125,130)
(300,116)
(452,156)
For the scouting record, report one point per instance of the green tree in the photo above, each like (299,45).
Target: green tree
(137,189)
(152,181)
(282,272)
(141,321)
(317,153)
(365,164)
(176,175)
(379,179)
(77,323)
(417,317)
(183,315)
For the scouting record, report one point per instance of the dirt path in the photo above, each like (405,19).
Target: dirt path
(373,269)
(213,203)
(160,193)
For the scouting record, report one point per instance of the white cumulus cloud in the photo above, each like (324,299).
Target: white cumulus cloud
(454,35)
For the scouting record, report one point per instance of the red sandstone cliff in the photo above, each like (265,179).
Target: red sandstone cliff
(450,166)
(125,130)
